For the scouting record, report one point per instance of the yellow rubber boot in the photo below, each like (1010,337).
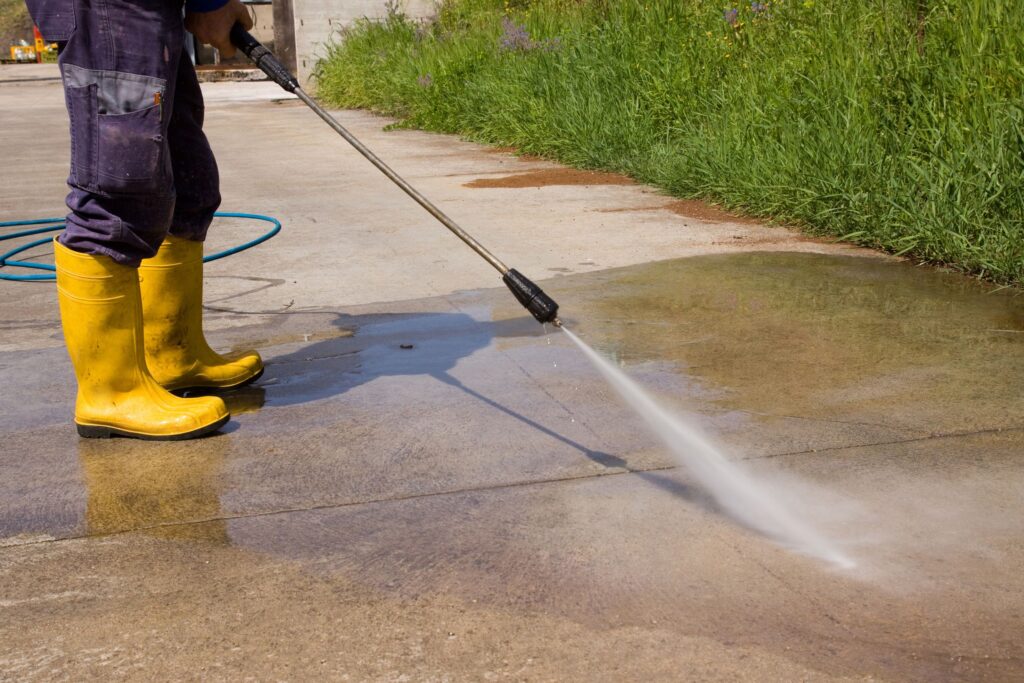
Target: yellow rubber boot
(172,312)
(101,312)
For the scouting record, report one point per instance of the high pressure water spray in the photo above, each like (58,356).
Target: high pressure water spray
(540,305)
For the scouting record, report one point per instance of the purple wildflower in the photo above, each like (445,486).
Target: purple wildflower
(515,37)
(731,16)
(425,81)
(758,7)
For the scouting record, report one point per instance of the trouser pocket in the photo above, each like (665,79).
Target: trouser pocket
(117,132)
(130,150)
(82,104)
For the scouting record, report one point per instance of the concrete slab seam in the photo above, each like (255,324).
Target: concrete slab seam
(335,506)
(930,437)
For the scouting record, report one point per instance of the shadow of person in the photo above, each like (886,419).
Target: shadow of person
(374,346)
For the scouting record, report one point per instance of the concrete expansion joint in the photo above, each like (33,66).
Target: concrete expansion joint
(333,506)
(494,487)
(816,419)
(913,439)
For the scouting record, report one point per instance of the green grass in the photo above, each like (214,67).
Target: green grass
(15,24)
(898,124)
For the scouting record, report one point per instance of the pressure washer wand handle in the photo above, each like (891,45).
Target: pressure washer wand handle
(263,58)
(532,297)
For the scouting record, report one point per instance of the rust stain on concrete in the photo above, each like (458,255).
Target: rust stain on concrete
(553,176)
(696,209)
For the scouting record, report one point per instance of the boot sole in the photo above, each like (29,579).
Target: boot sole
(205,390)
(97,432)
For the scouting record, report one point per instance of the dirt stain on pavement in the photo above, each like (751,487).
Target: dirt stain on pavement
(552,176)
(695,209)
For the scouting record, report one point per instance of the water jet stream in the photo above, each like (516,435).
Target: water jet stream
(731,486)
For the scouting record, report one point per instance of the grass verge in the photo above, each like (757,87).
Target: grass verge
(897,124)
(15,24)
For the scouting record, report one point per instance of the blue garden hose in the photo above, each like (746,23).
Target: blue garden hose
(57,224)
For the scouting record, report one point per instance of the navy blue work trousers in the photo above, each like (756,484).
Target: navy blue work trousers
(140,163)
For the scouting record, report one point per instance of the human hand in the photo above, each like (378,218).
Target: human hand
(214,28)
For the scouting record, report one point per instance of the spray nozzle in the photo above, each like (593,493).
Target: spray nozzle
(540,305)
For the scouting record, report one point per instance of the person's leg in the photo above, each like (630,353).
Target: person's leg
(172,281)
(196,177)
(119,67)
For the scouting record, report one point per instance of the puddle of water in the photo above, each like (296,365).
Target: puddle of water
(818,336)
(824,337)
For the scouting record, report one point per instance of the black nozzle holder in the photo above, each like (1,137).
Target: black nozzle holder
(540,305)
(263,58)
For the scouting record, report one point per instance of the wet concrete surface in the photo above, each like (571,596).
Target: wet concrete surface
(455,490)
(822,336)
(426,485)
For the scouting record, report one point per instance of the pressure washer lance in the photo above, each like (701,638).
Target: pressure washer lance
(532,297)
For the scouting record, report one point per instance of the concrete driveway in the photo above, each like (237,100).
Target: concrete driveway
(427,485)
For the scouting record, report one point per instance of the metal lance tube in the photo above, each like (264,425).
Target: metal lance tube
(406,187)
(540,305)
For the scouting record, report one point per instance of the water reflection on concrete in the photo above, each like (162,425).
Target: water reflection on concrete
(161,489)
(819,336)
(860,350)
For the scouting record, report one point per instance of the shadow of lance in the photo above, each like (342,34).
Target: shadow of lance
(607,460)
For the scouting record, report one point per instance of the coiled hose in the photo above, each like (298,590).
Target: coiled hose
(57,224)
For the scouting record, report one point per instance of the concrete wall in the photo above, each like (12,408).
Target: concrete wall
(317,22)
(263,28)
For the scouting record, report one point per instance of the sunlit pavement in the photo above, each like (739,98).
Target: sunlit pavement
(427,485)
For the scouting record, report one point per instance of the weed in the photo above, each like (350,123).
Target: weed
(896,124)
